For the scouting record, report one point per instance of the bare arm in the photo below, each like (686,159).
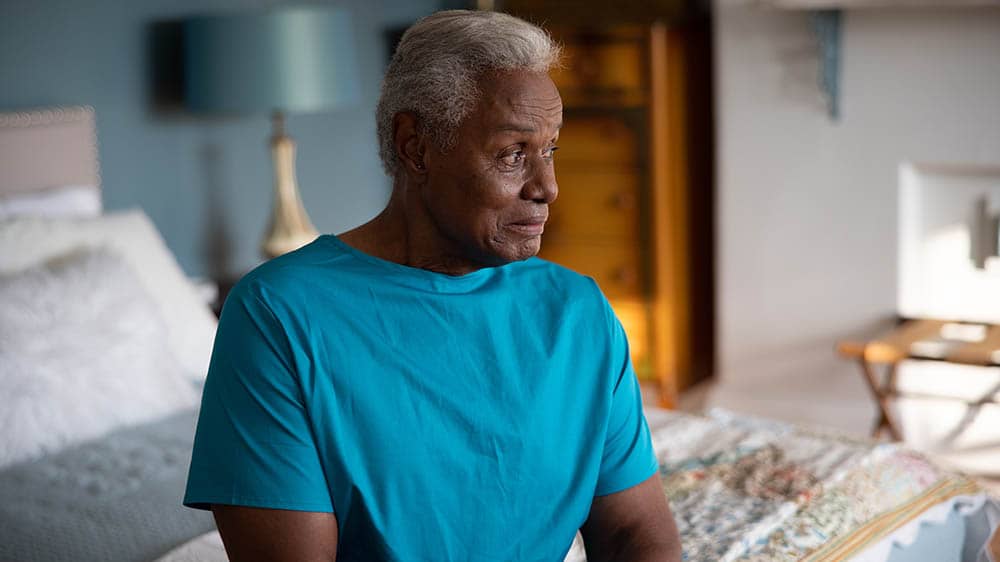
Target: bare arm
(253,534)
(634,525)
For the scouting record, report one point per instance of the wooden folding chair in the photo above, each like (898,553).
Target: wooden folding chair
(904,343)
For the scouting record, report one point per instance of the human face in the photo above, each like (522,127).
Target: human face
(490,194)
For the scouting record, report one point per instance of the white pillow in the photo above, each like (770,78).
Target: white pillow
(62,201)
(82,351)
(29,241)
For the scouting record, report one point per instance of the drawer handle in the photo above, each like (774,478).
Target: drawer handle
(625,276)
(588,70)
(623,201)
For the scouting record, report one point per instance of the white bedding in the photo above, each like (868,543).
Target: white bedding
(83,350)
(60,201)
(30,241)
(978,511)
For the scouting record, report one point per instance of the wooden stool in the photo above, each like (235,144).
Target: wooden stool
(930,340)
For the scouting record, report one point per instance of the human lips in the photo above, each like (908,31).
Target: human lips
(528,229)
(530,226)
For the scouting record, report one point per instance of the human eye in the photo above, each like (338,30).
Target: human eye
(550,152)
(512,158)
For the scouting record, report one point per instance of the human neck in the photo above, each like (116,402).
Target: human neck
(403,233)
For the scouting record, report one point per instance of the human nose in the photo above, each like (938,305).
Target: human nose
(541,186)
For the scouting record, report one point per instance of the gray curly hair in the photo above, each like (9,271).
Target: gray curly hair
(438,62)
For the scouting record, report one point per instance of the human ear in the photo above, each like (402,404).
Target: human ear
(409,143)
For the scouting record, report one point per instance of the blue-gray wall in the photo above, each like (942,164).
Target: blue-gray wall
(206,183)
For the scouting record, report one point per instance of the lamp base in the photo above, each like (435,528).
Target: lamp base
(290,227)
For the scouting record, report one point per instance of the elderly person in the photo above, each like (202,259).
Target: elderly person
(422,387)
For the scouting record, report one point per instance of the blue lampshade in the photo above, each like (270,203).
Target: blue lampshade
(299,59)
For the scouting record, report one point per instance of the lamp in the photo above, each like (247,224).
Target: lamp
(293,60)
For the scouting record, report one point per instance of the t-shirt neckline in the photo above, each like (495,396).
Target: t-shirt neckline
(415,276)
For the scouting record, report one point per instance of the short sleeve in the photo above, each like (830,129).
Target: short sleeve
(628,458)
(254,445)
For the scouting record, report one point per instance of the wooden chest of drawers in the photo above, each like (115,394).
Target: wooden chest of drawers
(622,215)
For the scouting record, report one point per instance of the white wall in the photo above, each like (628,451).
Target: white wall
(807,207)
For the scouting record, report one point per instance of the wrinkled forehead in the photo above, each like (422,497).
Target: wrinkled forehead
(531,97)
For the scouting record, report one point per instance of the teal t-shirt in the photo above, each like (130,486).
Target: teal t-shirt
(441,418)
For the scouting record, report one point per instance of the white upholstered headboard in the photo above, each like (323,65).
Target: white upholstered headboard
(47,148)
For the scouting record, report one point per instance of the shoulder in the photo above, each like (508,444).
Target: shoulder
(286,279)
(570,289)
(560,278)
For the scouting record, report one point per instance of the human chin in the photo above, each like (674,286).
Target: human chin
(511,250)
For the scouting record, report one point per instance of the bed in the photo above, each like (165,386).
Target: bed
(751,489)
(104,344)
